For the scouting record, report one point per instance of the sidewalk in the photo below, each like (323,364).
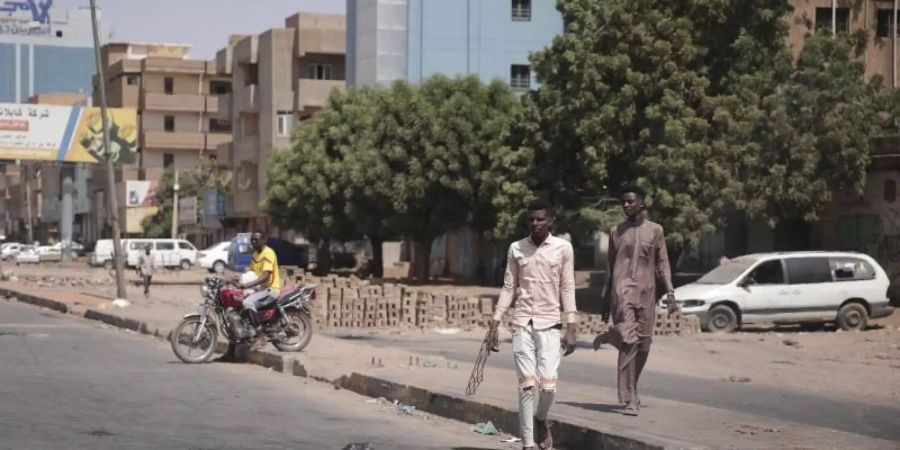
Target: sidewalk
(583,413)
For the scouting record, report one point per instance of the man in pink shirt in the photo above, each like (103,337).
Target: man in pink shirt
(540,277)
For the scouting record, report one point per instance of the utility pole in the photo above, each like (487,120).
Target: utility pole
(894,42)
(110,169)
(175,208)
(29,220)
(834,17)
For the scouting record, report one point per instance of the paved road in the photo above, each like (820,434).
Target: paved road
(69,383)
(781,404)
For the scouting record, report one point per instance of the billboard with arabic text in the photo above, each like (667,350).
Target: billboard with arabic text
(66,133)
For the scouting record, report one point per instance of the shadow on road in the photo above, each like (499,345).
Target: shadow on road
(600,407)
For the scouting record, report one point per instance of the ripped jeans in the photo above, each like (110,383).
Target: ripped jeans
(537,355)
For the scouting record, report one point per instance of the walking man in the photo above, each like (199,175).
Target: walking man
(637,257)
(147,268)
(540,277)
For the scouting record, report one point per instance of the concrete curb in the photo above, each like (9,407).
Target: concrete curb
(564,434)
(449,406)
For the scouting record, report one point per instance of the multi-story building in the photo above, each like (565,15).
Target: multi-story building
(279,77)
(44,50)
(411,40)
(177,103)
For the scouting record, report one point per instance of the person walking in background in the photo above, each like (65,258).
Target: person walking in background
(147,268)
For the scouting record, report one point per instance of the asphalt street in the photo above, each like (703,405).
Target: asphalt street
(71,383)
(781,404)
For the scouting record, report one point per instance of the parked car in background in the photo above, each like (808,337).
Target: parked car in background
(166,252)
(27,254)
(9,250)
(241,253)
(103,253)
(809,288)
(76,247)
(215,258)
(49,253)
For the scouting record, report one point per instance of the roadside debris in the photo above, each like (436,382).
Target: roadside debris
(735,379)
(121,303)
(404,408)
(790,343)
(486,428)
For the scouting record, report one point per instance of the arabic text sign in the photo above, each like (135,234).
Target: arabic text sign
(26,17)
(63,133)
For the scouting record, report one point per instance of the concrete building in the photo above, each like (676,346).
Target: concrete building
(177,102)
(411,40)
(42,50)
(279,77)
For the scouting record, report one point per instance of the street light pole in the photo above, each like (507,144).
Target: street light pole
(175,208)
(110,169)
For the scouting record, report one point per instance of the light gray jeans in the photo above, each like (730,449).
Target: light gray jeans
(252,301)
(537,355)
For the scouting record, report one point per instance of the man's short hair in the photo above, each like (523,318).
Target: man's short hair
(634,189)
(540,205)
(259,232)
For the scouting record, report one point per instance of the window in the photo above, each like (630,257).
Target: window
(285,124)
(883,23)
(165,246)
(59,33)
(244,249)
(169,85)
(185,246)
(520,77)
(521,10)
(808,270)
(848,269)
(137,245)
(319,71)
(169,123)
(168,159)
(890,191)
(251,74)
(131,80)
(219,87)
(769,272)
(219,126)
(823,19)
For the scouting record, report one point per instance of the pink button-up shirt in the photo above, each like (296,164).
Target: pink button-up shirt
(541,279)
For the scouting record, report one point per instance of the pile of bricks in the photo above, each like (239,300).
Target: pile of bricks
(353,303)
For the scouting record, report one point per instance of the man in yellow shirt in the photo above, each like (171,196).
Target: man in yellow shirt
(268,278)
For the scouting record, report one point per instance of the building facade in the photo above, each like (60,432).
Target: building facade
(176,99)
(279,77)
(44,50)
(411,40)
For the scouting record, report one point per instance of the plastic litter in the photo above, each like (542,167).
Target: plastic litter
(486,428)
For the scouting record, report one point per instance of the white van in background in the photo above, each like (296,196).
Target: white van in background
(166,252)
(103,253)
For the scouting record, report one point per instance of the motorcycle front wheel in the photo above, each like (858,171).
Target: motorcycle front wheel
(298,333)
(192,344)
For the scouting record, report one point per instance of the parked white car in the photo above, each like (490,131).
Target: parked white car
(103,253)
(28,254)
(49,253)
(215,258)
(166,252)
(76,247)
(809,288)
(10,250)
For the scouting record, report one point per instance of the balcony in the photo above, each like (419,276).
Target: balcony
(212,104)
(155,139)
(223,107)
(330,41)
(313,94)
(214,140)
(174,103)
(245,99)
(172,65)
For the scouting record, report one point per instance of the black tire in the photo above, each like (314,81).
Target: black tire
(812,326)
(184,334)
(108,265)
(301,340)
(218,267)
(185,264)
(722,319)
(852,317)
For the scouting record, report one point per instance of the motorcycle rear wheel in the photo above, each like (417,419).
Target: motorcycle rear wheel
(184,335)
(304,332)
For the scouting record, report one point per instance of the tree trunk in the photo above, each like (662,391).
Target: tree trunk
(377,268)
(422,259)
(323,257)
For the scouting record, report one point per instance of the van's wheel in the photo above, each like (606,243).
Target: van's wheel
(852,317)
(185,264)
(722,319)
(108,265)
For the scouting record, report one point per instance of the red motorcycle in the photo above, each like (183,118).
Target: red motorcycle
(286,321)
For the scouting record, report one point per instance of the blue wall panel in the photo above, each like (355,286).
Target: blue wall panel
(7,73)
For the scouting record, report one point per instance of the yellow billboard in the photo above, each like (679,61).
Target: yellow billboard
(66,133)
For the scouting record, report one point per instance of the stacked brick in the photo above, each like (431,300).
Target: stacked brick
(352,303)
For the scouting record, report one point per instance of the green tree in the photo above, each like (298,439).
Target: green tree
(191,183)
(701,103)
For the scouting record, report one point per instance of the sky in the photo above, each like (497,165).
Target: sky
(204,24)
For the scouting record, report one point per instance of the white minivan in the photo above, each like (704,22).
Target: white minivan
(166,252)
(103,253)
(810,288)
